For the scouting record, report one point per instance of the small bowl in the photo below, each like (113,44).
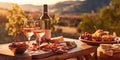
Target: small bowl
(18,50)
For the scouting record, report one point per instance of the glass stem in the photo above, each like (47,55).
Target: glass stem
(39,41)
(28,40)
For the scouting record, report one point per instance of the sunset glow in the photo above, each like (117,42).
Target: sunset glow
(34,2)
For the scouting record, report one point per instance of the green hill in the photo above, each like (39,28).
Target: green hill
(77,7)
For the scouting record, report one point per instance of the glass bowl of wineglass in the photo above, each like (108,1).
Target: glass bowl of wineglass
(28,28)
(39,31)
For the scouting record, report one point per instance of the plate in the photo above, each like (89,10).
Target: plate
(96,43)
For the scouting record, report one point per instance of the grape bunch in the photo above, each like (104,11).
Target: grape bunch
(18,44)
(86,36)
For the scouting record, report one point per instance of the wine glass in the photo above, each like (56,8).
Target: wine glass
(39,31)
(28,28)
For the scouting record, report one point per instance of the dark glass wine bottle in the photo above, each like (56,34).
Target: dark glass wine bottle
(46,18)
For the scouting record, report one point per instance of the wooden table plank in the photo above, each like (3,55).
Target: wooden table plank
(7,54)
(80,58)
(16,57)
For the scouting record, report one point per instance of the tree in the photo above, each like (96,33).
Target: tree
(55,20)
(16,19)
(89,23)
(110,16)
(107,19)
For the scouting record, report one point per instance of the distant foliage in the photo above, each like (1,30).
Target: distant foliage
(88,23)
(70,22)
(3,33)
(55,20)
(107,19)
(110,15)
(3,20)
(16,18)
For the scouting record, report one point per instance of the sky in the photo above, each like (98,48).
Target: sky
(34,2)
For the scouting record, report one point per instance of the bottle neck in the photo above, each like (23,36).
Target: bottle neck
(45,9)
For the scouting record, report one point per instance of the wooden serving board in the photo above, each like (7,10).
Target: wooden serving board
(97,43)
(38,54)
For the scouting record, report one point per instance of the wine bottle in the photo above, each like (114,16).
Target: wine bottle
(46,18)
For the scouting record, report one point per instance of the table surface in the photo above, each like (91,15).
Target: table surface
(81,49)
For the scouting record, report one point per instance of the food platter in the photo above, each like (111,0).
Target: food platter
(97,43)
(99,37)
(50,49)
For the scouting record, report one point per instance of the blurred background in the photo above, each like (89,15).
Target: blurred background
(72,17)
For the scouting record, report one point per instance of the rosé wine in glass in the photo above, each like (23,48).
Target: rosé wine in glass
(28,28)
(28,32)
(39,31)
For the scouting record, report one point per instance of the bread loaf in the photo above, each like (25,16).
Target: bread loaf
(57,39)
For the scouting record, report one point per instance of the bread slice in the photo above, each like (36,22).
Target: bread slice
(106,46)
(58,39)
(109,52)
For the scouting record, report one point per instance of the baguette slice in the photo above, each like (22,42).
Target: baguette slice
(106,46)
(57,39)
(109,52)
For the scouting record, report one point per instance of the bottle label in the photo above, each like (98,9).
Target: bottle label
(47,34)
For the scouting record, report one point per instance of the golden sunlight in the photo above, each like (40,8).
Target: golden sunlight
(34,2)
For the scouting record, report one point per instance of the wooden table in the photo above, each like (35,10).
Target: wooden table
(82,51)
